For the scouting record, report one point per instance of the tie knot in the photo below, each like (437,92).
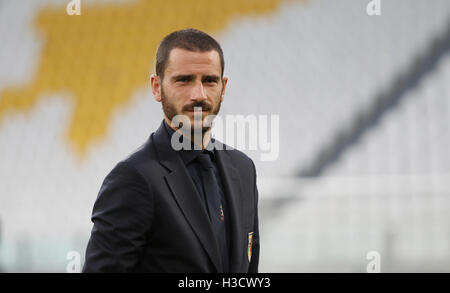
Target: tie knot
(205,160)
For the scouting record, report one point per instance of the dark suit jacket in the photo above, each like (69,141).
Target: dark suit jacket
(148,216)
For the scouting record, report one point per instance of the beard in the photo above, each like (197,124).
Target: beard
(170,110)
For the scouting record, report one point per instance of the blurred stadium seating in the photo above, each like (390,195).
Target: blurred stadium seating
(364,105)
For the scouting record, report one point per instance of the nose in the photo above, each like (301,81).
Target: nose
(198,92)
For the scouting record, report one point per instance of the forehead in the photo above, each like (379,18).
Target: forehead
(186,62)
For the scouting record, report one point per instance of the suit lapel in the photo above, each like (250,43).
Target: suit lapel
(232,185)
(186,195)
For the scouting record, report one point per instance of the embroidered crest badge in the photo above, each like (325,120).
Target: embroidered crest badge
(250,244)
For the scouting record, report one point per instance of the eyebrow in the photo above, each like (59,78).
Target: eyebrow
(191,77)
(183,76)
(211,77)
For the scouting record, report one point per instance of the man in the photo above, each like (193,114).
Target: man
(166,209)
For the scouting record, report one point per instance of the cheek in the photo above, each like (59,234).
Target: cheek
(173,96)
(214,93)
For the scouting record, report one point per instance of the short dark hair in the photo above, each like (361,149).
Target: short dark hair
(188,39)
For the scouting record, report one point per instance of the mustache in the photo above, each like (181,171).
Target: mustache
(190,107)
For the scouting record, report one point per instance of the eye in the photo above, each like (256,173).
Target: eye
(210,80)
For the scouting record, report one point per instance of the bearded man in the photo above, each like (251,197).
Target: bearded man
(171,209)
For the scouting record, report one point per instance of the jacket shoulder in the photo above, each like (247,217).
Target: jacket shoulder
(143,157)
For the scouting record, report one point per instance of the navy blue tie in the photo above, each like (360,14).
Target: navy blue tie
(215,203)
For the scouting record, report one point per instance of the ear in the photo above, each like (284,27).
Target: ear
(224,82)
(155,82)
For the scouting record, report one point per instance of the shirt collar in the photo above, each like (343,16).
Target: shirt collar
(189,155)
